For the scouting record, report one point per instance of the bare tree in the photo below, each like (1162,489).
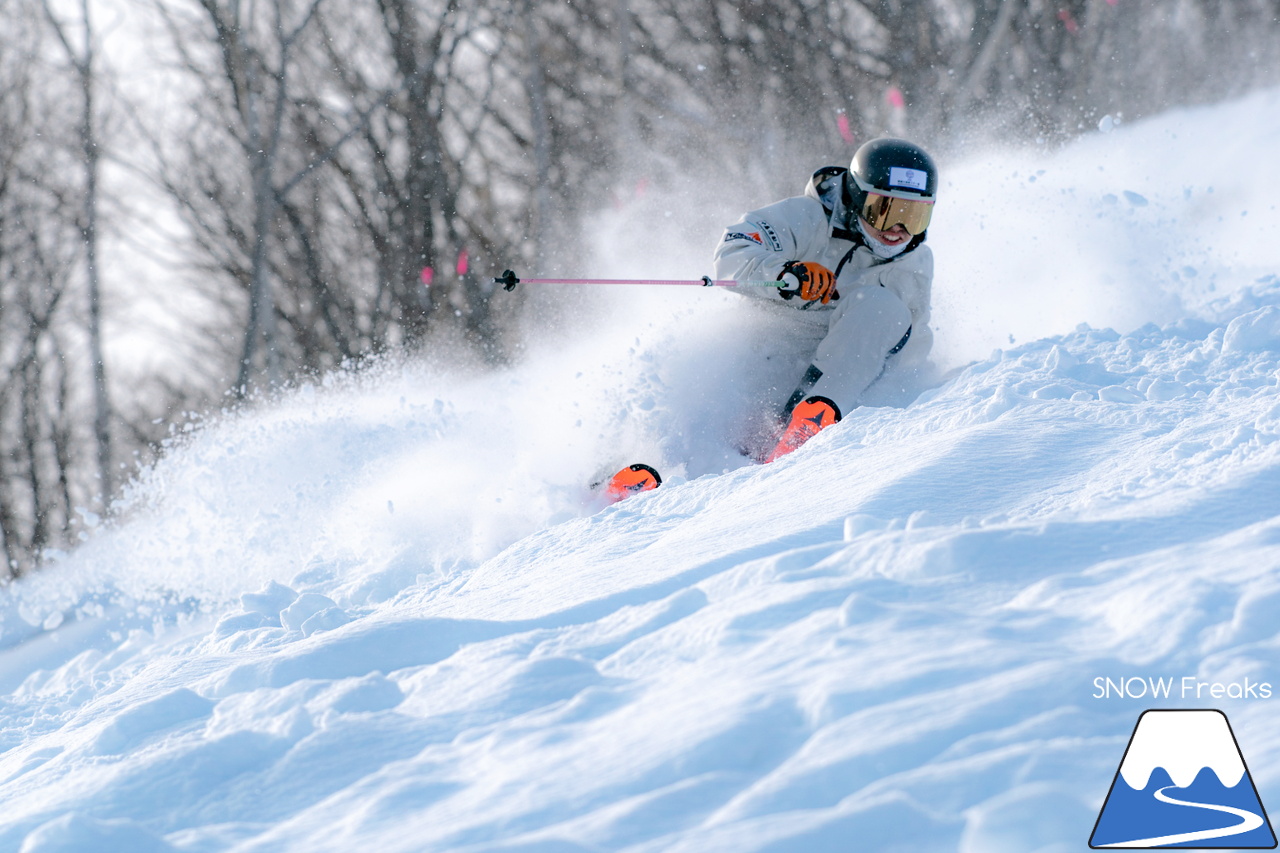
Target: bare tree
(257,58)
(83,61)
(40,432)
(292,106)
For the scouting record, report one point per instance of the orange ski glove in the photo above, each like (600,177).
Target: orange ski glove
(809,281)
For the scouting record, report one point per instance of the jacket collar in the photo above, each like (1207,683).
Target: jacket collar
(827,187)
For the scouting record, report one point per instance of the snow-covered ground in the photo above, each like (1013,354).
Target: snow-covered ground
(375,615)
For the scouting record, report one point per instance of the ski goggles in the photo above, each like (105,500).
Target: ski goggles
(882,212)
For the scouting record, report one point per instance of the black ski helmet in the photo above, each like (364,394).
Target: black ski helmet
(893,169)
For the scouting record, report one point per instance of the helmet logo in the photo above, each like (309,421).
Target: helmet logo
(910,178)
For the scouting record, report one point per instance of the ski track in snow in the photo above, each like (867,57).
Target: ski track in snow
(376,615)
(1248,822)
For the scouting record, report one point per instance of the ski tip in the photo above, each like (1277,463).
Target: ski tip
(631,480)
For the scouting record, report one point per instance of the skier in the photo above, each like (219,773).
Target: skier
(857,278)
(856,285)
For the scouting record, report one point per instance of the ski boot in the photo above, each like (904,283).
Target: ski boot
(808,418)
(631,480)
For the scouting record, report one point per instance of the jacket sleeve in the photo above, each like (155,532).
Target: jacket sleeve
(758,246)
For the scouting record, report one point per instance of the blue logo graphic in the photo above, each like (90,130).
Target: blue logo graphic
(1183,783)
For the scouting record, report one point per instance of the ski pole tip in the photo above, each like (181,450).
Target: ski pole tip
(508,280)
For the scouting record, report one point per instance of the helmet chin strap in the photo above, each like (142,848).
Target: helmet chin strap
(880,250)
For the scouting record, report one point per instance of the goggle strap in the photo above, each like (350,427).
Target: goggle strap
(905,195)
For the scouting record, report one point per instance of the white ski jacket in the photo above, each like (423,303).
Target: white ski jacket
(883,307)
(814,227)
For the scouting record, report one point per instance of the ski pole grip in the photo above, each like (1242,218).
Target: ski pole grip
(508,280)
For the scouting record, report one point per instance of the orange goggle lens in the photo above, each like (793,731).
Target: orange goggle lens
(882,212)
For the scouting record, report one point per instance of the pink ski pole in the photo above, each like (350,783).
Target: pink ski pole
(508,280)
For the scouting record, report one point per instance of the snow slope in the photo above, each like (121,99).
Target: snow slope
(376,615)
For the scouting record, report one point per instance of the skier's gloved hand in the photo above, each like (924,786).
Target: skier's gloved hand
(809,281)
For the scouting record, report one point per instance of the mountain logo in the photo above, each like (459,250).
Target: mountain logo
(1182,783)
